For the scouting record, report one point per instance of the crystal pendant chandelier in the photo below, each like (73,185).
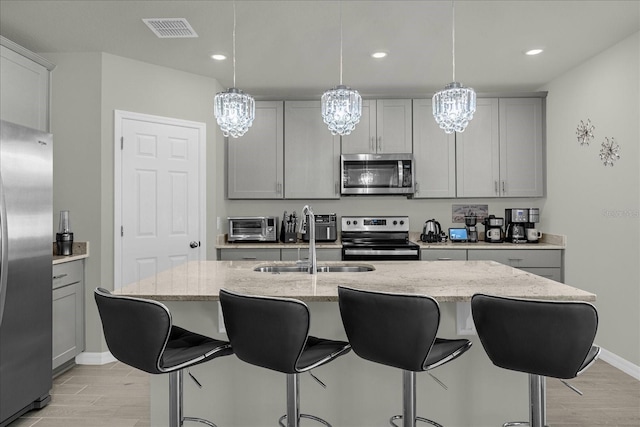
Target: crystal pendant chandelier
(454,106)
(341,106)
(234,110)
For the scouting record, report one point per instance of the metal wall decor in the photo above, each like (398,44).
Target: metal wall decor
(609,151)
(584,132)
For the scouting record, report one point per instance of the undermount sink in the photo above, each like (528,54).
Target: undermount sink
(275,269)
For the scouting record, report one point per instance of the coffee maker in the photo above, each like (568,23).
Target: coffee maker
(516,220)
(472,231)
(493,229)
(532,233)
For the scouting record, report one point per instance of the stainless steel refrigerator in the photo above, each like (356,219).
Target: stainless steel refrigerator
(26,218)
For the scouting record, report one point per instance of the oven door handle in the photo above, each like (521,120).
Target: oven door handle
(399,252)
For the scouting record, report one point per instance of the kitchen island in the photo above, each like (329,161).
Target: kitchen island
(359,393)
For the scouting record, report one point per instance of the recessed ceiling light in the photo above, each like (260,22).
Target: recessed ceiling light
(218,57)
(532,52)
(379,55)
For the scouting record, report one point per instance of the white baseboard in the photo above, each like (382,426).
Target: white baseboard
(620,363)
(86,358)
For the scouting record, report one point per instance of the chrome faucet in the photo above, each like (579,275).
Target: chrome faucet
(310,223)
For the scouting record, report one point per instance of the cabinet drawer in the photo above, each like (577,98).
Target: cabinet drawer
(549,273)
(443,254)
(67,273)
(520,258)
(250,254)
(291,254)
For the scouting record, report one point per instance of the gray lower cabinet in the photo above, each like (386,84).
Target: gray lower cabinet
(234,254)
(546,263)
(68,312)
(322,254)
(443,255)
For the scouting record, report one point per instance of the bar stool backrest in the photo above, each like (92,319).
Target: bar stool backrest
(549,338)
(264,331)
(136,330)
(391,329)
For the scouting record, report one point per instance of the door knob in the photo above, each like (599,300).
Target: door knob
(194,244)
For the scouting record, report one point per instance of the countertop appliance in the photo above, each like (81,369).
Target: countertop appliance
(253,229)
(472,231)
(515,219)
(533,234)
(377,174)
(383,238)
(493,232)
(26,212)
(431,231)
(326,228)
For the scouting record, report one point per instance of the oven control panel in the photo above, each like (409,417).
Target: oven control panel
(379,223)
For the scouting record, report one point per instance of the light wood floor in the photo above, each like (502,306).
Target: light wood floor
(116,395)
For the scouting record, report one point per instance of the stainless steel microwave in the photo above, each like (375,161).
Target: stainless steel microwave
(253,229)
(377,174)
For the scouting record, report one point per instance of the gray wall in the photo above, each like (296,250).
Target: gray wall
(87,88)
(595,206)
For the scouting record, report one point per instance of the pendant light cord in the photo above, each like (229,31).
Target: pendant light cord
(340,43)
(453,37)
(234,43)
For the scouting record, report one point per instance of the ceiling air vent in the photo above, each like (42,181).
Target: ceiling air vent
(170,28)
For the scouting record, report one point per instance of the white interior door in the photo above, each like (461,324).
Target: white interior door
(162,199)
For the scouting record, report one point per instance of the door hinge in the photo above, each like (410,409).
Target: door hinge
(122,143)
(121,231)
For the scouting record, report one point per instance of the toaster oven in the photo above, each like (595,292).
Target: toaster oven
(253,229)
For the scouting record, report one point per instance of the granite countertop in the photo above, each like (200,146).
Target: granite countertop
(548,241)
(79,250)
(446,281)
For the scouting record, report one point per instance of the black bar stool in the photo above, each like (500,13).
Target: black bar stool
(398,330)
(541,338)
(140,333)
(273,333)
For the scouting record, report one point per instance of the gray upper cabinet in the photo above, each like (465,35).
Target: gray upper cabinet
(500,152)
(25,80)
(478,152)
(435,154)
(256,160)
(385,127)
(521,140)
(311,152)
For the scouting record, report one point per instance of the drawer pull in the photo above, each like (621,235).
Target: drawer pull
(252,258)
(515,259)
(445,259)
(59,276)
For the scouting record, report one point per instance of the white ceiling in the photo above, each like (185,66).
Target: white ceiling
(291,49)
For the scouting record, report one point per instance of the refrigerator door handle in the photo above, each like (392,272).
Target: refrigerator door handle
(4,253)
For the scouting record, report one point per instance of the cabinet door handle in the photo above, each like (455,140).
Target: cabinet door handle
(380,144)
(278,188)
(337,188)
(504,190)
(417,188)
(60,276)
(495,186)
(373,144)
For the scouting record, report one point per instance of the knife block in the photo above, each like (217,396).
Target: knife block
(287,237)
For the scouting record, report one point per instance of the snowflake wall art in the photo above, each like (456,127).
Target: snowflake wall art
(584,132)
(609,151)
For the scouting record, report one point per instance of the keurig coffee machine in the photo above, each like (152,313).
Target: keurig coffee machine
(493,229)
(472,231)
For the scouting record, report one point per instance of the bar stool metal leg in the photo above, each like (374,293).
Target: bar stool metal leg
(176,393)
(408,416)
(537,403)
(293,414)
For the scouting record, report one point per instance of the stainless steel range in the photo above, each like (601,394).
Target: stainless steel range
(383,238)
